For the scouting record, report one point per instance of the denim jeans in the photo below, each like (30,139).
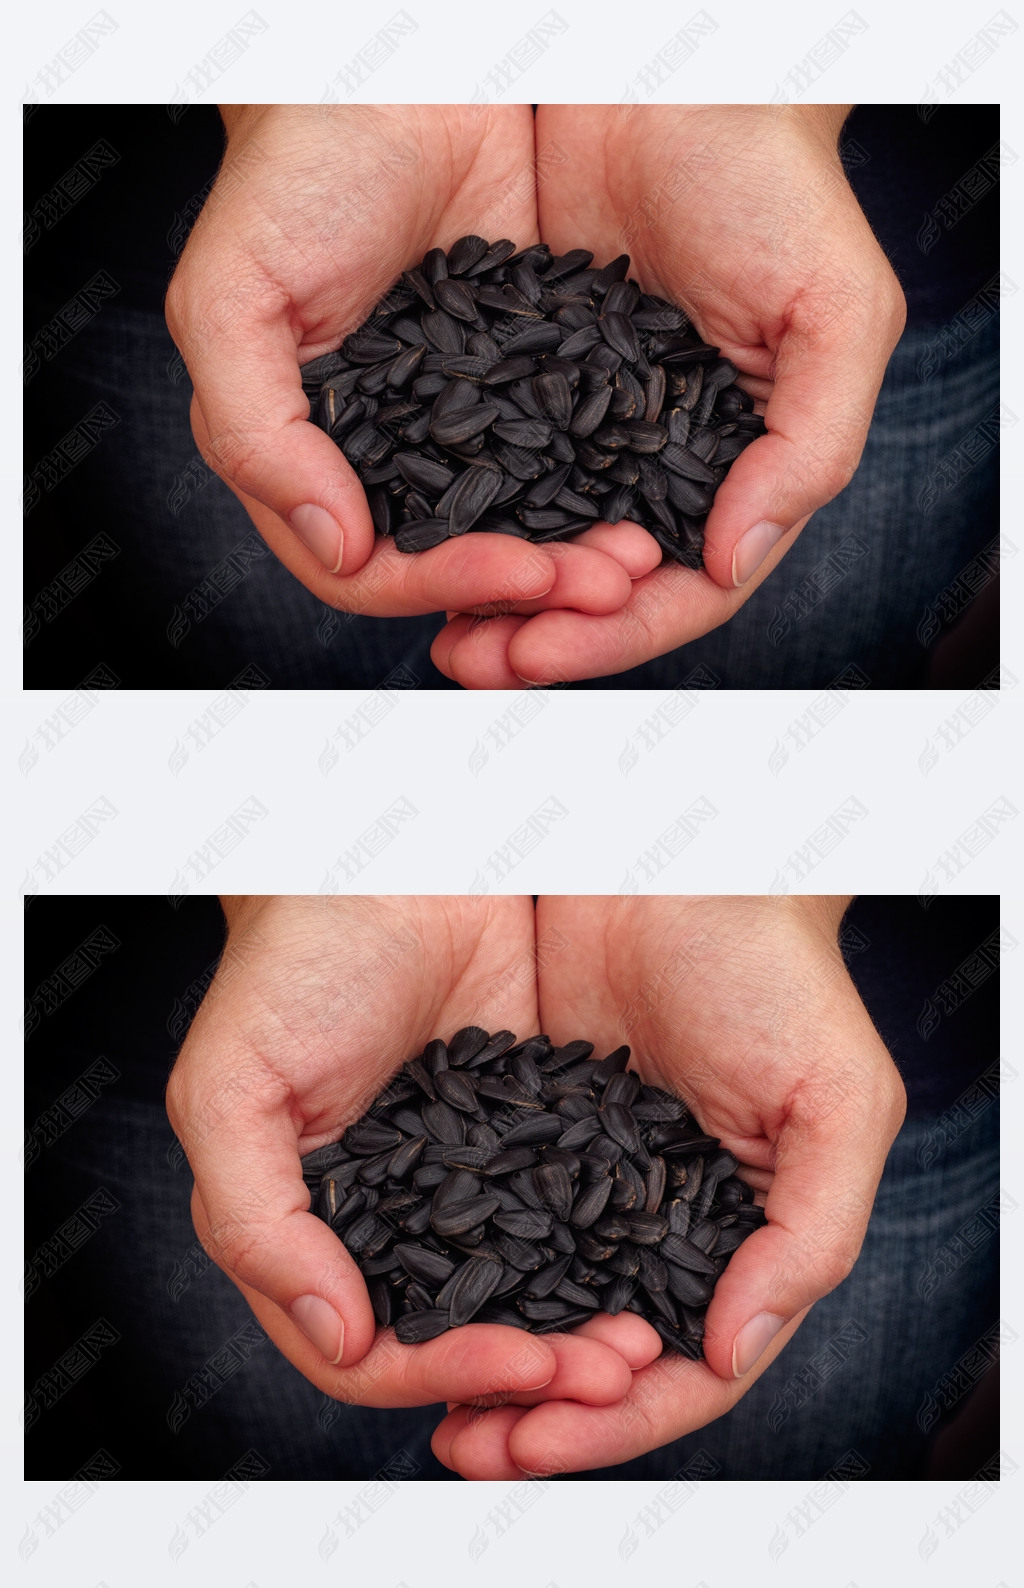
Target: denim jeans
(196,598)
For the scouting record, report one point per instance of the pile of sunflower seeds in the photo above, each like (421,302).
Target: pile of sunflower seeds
(531,395)
(531,1185)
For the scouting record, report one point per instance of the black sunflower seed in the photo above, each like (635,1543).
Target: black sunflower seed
(620,334)
(554,1187)
(456,1089)
(465,253)
(421,534)
(459,1217)
(475,1283)
(511,369)
(433,1268)
(616,1296)
(454,428)
(425,473)
(537,1128)
(470,496)
(456,298)
(536,336)
(524,1256)
(624,1087)
(457,1186)
(405,1158)
(688,1287)
(685,1254)
(590,411)
(553,397)
(620,1125)
(684,461)
(577,1295)
(318,1162)
(590,1203)
(444,1123)
(415,1327)
(647,1229)
(536,1175)
(530,1225)
(543,1282)
(368,1137)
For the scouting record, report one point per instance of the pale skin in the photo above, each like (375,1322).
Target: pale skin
(318,1002)
(741,1005)
(287,257)
(740,213)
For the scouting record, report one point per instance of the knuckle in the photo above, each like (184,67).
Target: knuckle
(239,458)
(895,308)
(895,1103)
(836,1264)
(836,473)
(174,308)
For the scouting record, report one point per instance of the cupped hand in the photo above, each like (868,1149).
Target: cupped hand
(743,215)
(315,212)
(317,1003)
(743,1007)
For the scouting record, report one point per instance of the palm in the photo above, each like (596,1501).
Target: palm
(700,204)
(341,991)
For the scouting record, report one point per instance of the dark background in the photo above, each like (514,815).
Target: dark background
(134,1009)
(133,223)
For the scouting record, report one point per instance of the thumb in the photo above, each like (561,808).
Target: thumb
(252,421)
(827,1172)
(251,1213)
(827,369)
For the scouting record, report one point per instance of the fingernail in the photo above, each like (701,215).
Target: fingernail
(753,1340)
(753,549)
(320,1323)
(321,533)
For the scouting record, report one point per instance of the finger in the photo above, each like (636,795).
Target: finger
(666,609)
(588,1369)
(663,608)
(629,543)
(585,578)
(476,1446)
(463,572)
(627,1333)
(827,372)
(828,1161)
(473,651)
(250,1209)
(477,1362)
(251,418)
(670,1398)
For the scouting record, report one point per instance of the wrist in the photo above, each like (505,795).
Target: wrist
(240,120)
(241,909)
(825,911)
(825,121)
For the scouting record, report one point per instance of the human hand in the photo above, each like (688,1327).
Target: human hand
(317,1002)
(743,215)
(743,1007)
(316,211)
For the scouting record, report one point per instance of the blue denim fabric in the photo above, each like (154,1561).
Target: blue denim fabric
(201,598)
(205,1387)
